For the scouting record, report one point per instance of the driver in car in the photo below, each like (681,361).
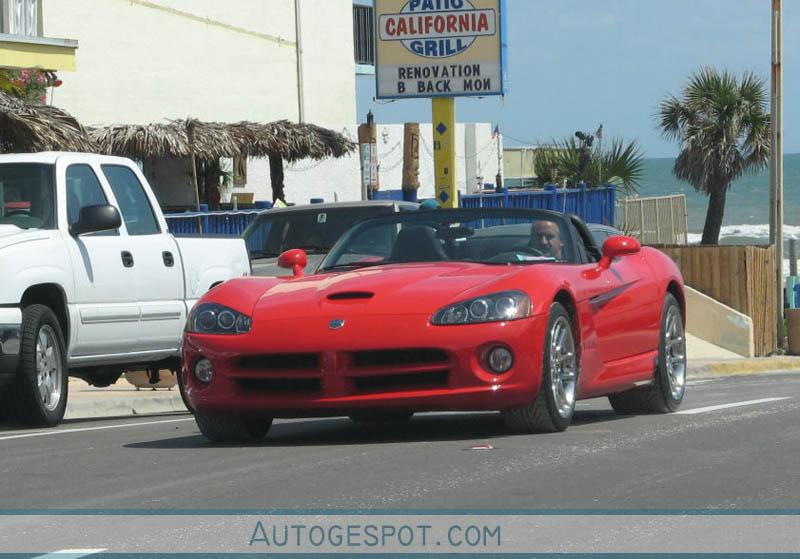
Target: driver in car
(546,238)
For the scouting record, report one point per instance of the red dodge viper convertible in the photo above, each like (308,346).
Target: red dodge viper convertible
(484,309)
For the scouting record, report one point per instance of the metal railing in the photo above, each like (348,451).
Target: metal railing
(654,220)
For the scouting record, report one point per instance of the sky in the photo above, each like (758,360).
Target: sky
(574,64)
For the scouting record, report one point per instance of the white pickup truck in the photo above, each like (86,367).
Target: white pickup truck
(91,282)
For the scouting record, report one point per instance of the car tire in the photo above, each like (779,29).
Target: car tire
(38,394)
(372,418)
(232,428)
(552,409)
(666,392)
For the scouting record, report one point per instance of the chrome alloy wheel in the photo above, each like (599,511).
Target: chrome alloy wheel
(563,366)
(48,368)
(675,353)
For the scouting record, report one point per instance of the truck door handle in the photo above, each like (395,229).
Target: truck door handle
(169,260)
(127,259)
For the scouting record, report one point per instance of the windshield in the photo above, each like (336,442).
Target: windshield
(484,236)
(27,198)
(313,231)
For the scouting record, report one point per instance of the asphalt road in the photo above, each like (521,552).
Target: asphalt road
(747,456)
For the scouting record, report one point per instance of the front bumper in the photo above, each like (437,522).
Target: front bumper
(10,341)
(302,368)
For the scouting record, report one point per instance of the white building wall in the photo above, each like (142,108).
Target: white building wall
(142,61)
(340,179)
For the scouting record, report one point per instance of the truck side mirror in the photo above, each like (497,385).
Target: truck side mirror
(93,219)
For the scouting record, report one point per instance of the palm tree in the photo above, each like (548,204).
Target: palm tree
(618,163)
(723,128)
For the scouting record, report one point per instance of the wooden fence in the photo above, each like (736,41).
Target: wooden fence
(742,277)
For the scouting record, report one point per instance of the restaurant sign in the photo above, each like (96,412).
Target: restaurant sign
(439,48)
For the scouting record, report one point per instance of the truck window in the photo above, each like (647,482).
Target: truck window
(27,195)
(83,189)
(133,203)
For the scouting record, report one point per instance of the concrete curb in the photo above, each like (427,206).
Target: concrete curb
(122,406)
(742,367)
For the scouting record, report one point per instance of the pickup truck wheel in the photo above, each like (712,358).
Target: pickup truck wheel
(40,387)
(232,427)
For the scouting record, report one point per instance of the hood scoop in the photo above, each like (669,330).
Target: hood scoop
(351,296)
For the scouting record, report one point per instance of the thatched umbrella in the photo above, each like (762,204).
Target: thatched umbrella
(26,127)
(141,141)
(213,140)
(282,139)
(277,141)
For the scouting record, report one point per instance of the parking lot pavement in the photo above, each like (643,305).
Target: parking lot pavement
(713,454)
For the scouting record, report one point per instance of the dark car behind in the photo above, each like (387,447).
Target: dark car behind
(314,228)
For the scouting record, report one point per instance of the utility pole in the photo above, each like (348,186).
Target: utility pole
(776,163)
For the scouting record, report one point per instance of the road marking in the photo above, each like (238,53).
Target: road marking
(731,405)
(70,553)
(85,429)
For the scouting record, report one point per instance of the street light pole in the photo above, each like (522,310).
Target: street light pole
(776,163)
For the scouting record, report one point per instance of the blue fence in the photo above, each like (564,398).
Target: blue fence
(591,204)
(224,223)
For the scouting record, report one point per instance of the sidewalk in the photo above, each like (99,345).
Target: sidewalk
(122,399)
(119,400)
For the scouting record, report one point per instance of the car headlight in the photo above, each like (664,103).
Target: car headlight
(497,307)
(210,318)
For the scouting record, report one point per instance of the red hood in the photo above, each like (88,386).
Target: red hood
(397,289)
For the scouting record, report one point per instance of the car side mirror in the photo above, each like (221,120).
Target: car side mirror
(295,260)
(618,246)
(93,219)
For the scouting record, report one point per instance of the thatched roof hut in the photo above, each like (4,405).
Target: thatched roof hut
(213,140)
(26,127)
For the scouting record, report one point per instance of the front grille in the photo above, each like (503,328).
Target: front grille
(398,357)
(410,381)
(281,362)
(282,385)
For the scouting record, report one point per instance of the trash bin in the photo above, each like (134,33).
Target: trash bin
(793,330)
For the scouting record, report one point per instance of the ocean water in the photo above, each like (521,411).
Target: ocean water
(746,219)
(747,206)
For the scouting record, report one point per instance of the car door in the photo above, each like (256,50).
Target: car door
(103,306)
(157,271)
(622,300)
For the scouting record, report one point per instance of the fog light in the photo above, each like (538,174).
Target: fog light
(500,359)
(204,371)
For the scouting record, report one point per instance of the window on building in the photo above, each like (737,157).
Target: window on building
(363,32)
(22,17)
